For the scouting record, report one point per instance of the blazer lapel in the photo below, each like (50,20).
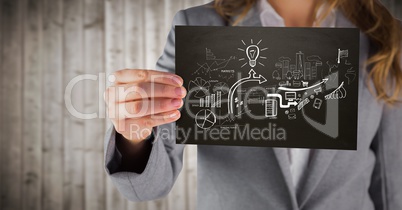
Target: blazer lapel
(319,163)
(284,164)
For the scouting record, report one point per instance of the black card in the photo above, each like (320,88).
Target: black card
(268,86)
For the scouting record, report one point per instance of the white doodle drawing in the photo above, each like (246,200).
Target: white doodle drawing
(253,53)
(226,77)
(205,119)
(296,83)
(284,83)
(303,103)
(306,69)
(222,87)
(331,67)
(217,64)
(206,68)
(252,76)
(271,108)
(314,58)
(292,116)
(290,96)
(350,75)
(281,101)
(314,63)
(342,54)
(275,75)
(210,56)
(199,86)
(302,76)
(317,103)
(300,66)
(218,99)
(318,90)
(304,88)
(338,93)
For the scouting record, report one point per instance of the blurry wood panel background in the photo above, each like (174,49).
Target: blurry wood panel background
(49,159)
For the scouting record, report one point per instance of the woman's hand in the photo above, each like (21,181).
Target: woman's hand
(142,99)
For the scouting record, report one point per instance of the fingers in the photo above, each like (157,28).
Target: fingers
(140,108)
(141,128)
(141,76)
(143,99)
(130,92)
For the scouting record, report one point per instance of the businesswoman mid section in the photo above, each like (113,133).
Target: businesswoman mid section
(144,165)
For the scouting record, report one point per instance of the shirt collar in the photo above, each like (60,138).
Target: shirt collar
(269,16)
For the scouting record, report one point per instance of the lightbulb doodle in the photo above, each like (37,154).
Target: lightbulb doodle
(252,53)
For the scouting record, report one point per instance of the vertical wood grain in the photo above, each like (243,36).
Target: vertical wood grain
(191,176)
(11,112)
(49,159)
(193,3)
(32,103)
(2,94)
(154,33)
(171,7)
(52,105)
(2,138)
(73,132)
(114,60)
(133,30)
(94,128)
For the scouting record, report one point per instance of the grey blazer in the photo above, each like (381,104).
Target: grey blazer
(238,178)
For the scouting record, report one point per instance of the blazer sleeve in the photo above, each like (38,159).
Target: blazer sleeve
(166,158)
(386,185)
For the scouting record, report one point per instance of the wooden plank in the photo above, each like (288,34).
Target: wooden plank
(32,102)
(114,60)
(52,105)
(133,34)
(193,3)
(191,176)
(154,35)
(177,197)
(171,8)
(73,131)
(137,205)
(2,94)
(11,112)
(94,129)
